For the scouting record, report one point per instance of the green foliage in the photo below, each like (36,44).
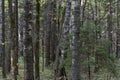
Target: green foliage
(4,43)
(92,45)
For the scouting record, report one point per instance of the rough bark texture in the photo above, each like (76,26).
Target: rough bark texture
(47,34)
(65,40)
(97,36)
(37,28)
(21,26)
(75,42)
(53,31)
(109,28)
(11,31)
(13,27)
(66,27)
(117,37)
(16,35)
(28,47)
(3,39)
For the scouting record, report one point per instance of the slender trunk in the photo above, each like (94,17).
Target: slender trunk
(3,40)
(11,20)
(8,54)
(89,67)
(53,31)
(16,25)
(65,40)
(109,28)
(117,30)
(43,50)
(21,35)
(95,22)
(37,75)
(48,34)
(14,53)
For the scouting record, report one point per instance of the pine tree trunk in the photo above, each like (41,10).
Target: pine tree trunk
(96,35)
(48,34)
(53,31)
(117,37)
(28,47)
(37,76)
(3,40)
(8,54)
(75,42)
(13,27)
(21,22)
(110,28)
(16,35)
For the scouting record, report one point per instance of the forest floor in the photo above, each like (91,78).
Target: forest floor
(45,74)
(48,74)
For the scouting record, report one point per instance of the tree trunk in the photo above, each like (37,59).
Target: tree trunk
(96,35)
(3,40)
(117,37)
(28,47)
(37,43)
(65,41)
(53,31)
(75,42)
(13,27)
(8,54)
(16,34)
(48,34)
(109,28)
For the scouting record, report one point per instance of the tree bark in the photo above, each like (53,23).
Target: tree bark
(37,43)
(110,28)
(117,37)
(14,37)
(75,42)
(53,31)
(48,34)
(28,46)
(3,40)
(97,36)
(65,40)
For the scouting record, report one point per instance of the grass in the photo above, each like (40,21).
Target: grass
(48,73)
